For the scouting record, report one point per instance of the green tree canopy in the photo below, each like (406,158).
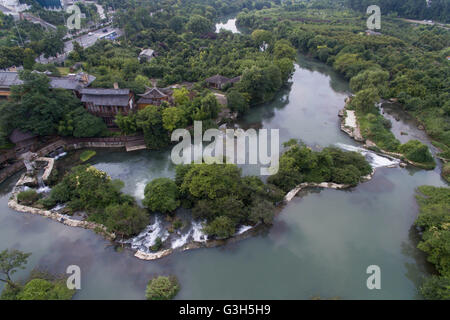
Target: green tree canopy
(161,195)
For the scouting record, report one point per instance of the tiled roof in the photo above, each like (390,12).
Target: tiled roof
(8,79)
(106,97)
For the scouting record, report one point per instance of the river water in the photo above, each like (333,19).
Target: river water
(320,245)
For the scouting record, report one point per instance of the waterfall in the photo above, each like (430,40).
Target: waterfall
(243,229)
(375,160)
(197,232)
(147,238)
(42,188)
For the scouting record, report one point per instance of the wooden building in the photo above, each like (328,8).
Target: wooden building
(108,103)
(219,82)
(154,96)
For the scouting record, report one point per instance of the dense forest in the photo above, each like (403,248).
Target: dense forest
(433,220)
(411,69)
(438,10)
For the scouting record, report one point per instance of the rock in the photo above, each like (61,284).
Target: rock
(152,256)
(421,127)
(29,181)
(370,143)
(403,165)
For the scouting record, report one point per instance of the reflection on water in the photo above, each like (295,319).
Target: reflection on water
(320,244)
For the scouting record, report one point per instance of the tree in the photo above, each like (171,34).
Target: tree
(150,121)
(221,227)
(161,195)
(162,288)
(262,36)
(436,288)
(284,49)
(237,101)
(10,262)
(365,99)
(369,78)
(416,151)
(173,118)
(262,211)
(37,108)
(181,96)
(127,124)
(125,219)
(176,23)
(210,181)
(41,289)
(29,59)
(199,25)
(208,109)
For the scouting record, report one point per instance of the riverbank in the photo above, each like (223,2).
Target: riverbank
(350,125)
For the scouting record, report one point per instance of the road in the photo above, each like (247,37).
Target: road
(85,41)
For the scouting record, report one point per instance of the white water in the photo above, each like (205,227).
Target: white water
(181,241)
(147,238)
(140,188)
(243,229)
(197,232)
(58,207)
(375,160)
(59,156)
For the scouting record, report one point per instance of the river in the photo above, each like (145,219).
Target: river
(320,244)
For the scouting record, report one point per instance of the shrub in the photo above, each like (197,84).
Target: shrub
(28,197)
(157,245)
(162,288)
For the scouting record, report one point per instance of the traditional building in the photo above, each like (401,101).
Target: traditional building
(219,82)
(154,96)
(108,103)
(8,79)
(147,55)
(74,82)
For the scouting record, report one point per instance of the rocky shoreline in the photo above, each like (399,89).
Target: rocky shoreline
(354,132)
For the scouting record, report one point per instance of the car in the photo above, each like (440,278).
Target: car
(105,30)
(90,34)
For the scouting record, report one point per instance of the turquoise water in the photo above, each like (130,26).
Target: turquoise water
(321,243)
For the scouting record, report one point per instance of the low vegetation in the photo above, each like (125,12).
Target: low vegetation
(87,155)
(28,197)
